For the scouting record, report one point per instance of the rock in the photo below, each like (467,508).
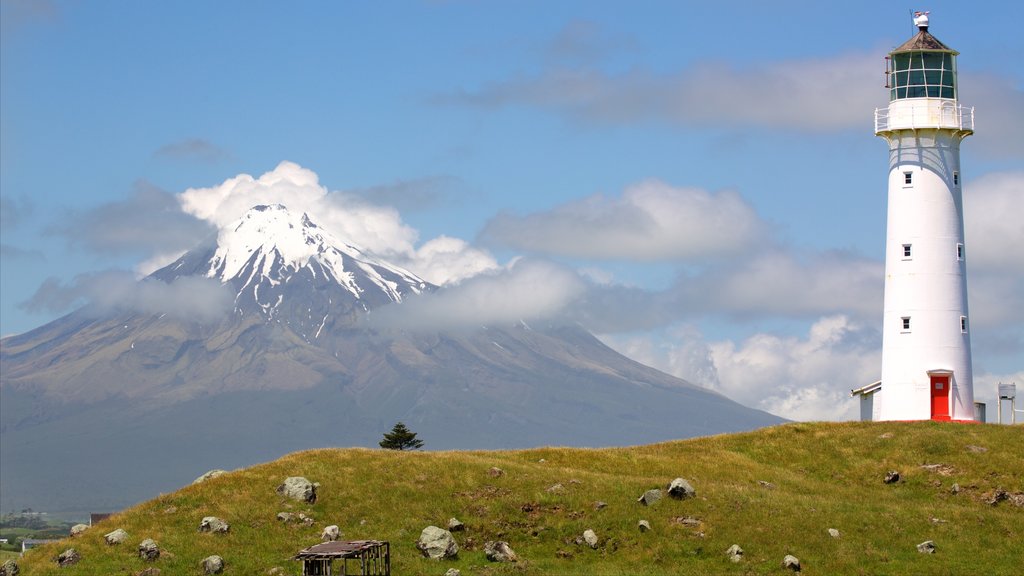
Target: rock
(681,489)
(276,571)
(9,568)
(170,510)
(556,489)
(976,449)
(115,537)
(833,532)
(650,497)
(455,525)
(330,533)
(892,477)
(590,537)
(78,529)
(209,476)
(688,521)
(791,562)
(935,520)
(151,571)
(306,520)
(285,517)
(148,550)
(955,489)
(495,472)
(735,553)
(541,461)
(643,525)
(599,505)
(214,525)
(452,572)
(998,496)
(886,436)
(298,488)
(212,564)
(926,547)
(766,484)
(437,543)
(68,557)
(499,552)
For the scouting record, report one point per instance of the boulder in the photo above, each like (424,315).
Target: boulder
(791,562)
(437,543)
(452,572)
(209,475)
(590,538)
(926,547)
(833,532)
(9,568)
(681,489)
(735,553)
(212,564)
(650,497)
(330,533)
(68,557)
(892,477)
(495,472)
(499,552)
(298,488)
(455,525)
(148,550)
(214,525)
(115,537)
(285,517)
(78,529)
(556,489)
(643,525)
(599,505)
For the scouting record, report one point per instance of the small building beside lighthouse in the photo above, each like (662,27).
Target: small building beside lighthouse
(926,331)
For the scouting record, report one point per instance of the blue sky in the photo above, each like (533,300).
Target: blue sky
(696,182)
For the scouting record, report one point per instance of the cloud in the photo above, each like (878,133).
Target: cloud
(14,211)
(12,252)
(15,15)
(649,221)
(197,149)
(446,260)
(186,298)
(527,290)
(782,94)
(584,42)
(998,102)
(793,377)
(149,221)
(412,195)
(992,225)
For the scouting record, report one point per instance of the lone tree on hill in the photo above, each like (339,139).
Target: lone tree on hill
(401,438)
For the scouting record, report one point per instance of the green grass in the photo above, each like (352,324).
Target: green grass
(824,475)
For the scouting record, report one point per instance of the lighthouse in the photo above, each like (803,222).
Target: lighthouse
(926,333)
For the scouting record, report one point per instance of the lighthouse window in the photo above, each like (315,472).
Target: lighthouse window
(959,251)
(956,178)
(906,251)
(908,178)
(906,323)
(963,324)
(923,74)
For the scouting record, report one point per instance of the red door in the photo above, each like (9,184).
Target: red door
(940,397)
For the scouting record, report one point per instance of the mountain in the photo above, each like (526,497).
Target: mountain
(108,406)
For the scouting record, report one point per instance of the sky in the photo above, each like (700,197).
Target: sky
(697,183)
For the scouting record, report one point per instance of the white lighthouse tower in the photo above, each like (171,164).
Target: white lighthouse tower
(926,342)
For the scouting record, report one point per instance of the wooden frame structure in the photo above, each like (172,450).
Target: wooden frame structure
(373,558)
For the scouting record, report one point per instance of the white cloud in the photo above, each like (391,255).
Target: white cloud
(650,221)
(782,94)
(800,378)
(446,260)
(993,227)
(524,291)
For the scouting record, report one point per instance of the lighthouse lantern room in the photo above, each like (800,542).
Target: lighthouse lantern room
(926,343)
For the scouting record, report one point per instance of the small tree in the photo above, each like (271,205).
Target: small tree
(401,438)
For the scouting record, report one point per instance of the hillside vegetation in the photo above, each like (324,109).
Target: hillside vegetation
(774,491)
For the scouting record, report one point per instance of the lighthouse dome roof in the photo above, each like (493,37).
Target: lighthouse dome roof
(923,41)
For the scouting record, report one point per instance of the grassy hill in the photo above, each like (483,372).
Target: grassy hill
(774,491)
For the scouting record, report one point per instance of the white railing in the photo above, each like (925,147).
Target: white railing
(923,113)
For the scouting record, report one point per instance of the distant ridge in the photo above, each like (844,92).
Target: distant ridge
(131,404)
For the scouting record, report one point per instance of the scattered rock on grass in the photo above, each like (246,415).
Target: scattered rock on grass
(209,476)
(735,553)
(495,472)
(213,564)
(437,543)
(556,489)
(590,538)
(78,529)
(330,533)
(298,488)
(833,532)
(766,484)
(148,550)
(599,505)
(998,496)
(926,547)
(499,552)
(791,562)
(452,572)
(214,525)
(643,525)
(892,477)
(455,525)
(68,557)
(115,537)
(9,568)
(976,449)
(681,489)
(285,517)
(151,571)
(650,497)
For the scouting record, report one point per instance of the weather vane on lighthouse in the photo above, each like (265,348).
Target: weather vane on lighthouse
(926,343)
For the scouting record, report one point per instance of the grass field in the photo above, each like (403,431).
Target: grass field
(774,491)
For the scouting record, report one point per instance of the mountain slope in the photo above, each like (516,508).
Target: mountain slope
(775,491)
(124,399)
